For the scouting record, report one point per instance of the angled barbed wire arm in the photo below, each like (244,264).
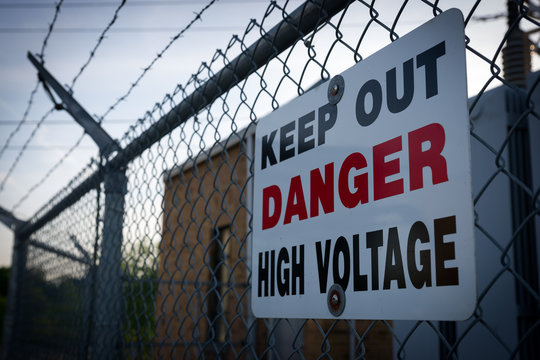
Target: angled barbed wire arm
(10,220)
(109,274)
(107,145)
(18,264)
(279,36)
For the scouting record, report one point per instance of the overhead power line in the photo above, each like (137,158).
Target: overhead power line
(209,28)
(77,30)
(47,147)
(60,122)
(95,4)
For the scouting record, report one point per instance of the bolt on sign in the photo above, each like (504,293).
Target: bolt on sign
(362,189)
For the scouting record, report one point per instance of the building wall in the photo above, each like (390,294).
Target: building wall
(199,199)
(497,332)
(377,343)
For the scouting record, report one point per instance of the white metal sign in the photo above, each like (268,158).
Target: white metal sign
(362,189)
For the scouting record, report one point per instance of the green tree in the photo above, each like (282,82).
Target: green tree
(4,281)
(139,267)
(4,284)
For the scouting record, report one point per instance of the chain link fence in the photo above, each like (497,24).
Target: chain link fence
(147,253)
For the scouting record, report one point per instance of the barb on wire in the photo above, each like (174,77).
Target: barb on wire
(489,17)
(99,41)
(33,93)
(23,149)
(146,69)
(77,143)
(22,121)
(156,58)
(48,174)
(51,27)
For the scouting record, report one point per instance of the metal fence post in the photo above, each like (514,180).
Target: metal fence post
(18,268)
(108,302)
(107,323)
(516,64)
(90,283)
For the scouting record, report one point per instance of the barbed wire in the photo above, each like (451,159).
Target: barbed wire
(99,41)
(212,191)
(48,174)
(134,29)
(483,18)
(51,27)
(60,122)
(122,98)
(78,142)
(22,121)
(119,100)
(34,91)
(94,4)
(210,28)
(156,58)
(47,147)
(23,149)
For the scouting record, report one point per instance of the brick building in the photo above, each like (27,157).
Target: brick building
(203,299)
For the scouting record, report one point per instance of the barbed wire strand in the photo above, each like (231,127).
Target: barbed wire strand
(23,149)
(484,18)
(51,28)
(78,142)
(99,41)
(48,174)
(189,239)
(101,4)
(122,98)
(209,28)
(61,122)
(22,121)
(34,91)
(156,58)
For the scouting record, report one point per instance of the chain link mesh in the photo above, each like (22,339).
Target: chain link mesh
(180,284)
(57,286)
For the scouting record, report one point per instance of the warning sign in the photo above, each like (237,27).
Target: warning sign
(362,189)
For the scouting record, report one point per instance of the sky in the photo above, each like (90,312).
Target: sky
(142,29)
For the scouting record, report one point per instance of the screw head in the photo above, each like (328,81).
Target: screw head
(336,87)
(336,300)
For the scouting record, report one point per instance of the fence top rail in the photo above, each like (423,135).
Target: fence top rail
(92,182)
(303,20)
